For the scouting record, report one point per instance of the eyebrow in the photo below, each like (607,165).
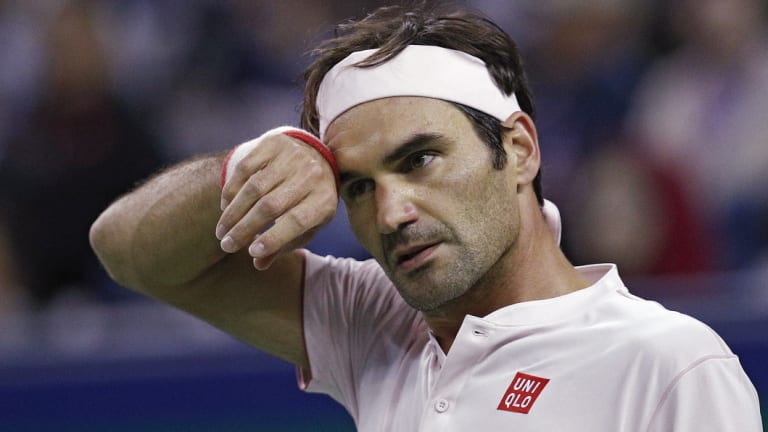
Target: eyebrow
(413,143)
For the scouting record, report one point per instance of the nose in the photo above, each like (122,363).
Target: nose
(394,208)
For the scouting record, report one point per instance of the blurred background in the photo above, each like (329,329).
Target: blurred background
(653,122)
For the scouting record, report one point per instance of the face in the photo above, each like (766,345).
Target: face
(423,197)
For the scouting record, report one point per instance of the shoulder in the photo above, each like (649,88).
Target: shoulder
(670,340)
(359,287)
(698,383)
(681,364)
(628,321)
(346,272)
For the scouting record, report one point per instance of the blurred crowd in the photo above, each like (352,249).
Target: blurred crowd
(652,117)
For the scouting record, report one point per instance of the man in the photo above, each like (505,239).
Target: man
(470,316)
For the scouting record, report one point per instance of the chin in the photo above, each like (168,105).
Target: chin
(429,296)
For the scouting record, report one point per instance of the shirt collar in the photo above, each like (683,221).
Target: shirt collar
(604,278)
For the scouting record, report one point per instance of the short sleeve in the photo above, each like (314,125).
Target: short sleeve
(352,313)
(712,394)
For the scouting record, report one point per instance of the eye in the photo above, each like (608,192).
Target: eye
(358,188)
(417,160)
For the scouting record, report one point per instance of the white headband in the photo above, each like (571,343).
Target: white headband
(419,70)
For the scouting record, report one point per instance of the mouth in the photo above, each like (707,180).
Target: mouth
(411,257)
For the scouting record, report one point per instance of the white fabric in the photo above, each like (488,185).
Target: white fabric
(552,218)
(614,362)
(419,70)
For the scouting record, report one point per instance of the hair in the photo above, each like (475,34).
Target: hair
(391,29)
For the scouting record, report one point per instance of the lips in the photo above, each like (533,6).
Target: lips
(410,257)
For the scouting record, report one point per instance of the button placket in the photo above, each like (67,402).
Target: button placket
(469,346)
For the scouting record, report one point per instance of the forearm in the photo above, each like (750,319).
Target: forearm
(163,233)
(161,240)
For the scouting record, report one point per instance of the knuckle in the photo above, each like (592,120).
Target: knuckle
(231,214)
(315,169)
(300,220)
(270,205)
(242,168)
(245,231)
(255,184)
(282,141)
(316,180)
(251,163)
(310,154)
(292,149)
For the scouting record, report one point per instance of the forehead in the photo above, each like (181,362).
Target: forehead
(392,120)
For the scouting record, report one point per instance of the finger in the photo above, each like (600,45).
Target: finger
(268,150)
(257,186)
(295,226)
(241,173)
(267,209)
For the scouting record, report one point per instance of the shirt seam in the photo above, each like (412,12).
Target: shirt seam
(676,380)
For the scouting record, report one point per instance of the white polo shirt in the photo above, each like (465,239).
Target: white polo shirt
(598,359)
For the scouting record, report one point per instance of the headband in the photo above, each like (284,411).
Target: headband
(418,70)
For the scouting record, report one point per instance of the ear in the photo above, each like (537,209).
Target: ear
(521,141)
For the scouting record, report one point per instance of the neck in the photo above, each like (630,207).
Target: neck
(534,268)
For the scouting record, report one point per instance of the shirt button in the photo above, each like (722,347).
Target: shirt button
(441,406)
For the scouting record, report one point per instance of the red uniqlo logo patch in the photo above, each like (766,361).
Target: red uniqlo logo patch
(522,393)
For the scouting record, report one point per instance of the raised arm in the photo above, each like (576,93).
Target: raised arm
(160,240)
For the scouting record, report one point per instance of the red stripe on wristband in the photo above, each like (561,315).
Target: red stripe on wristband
(226,164)
(320,147)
